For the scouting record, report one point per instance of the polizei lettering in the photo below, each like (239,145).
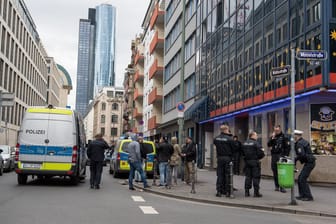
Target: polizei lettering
(35,132)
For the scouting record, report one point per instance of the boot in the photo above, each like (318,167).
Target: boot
(257,194)
(247,193)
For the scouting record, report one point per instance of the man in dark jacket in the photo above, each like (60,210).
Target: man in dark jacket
(95,153)
(252,152)
(280,147)
(164,151)
(189,155)
(224,148)
(236,155)
(306,157)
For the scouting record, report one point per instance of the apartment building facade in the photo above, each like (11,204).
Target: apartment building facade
(23,67)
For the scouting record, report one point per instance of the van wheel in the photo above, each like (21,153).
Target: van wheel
(22,179)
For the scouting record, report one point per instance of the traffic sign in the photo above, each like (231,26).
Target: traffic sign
(180,106)
(311,55)
(280,71)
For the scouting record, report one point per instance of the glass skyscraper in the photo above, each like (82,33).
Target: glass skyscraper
(104,72)
(85,64)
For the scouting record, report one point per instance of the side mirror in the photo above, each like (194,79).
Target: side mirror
(1,150)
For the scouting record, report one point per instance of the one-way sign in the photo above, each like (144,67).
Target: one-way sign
(280,71)
(311,55)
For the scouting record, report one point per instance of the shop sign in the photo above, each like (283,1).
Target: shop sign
(323,117)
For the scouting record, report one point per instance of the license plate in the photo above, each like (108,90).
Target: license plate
(31,165)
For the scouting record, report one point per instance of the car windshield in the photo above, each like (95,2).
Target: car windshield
(5,149)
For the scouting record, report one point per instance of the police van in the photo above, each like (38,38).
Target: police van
(51,142)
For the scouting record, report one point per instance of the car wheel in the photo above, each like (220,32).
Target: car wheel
(22,179)
(1,170)
(115,173)
(110,170)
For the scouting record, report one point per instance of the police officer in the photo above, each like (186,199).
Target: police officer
(224,148)
(280,147)
(306,157)
(252,152)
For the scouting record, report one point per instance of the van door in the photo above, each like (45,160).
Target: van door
(32,140)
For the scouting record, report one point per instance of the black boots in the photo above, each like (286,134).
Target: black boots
(257,194)
(247,193)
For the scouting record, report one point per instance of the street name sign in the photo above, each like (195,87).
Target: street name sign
(280,71)
(311,55)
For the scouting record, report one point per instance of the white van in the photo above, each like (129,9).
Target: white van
(51,142)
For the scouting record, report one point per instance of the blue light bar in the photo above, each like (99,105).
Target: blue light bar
(263,106)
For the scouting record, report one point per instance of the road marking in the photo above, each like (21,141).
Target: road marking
(138,199)
(148,210)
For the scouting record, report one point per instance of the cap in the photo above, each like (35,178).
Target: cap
(298,132)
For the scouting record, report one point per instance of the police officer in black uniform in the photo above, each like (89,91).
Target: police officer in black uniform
(280,147)
(252,152)
(224,148)
(306,157)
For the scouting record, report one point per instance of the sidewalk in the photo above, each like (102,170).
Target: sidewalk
(324,203)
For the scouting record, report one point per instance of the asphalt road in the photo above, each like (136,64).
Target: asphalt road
(56,201)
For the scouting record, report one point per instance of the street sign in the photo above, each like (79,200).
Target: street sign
(180,106)
(280,71)
(311,55)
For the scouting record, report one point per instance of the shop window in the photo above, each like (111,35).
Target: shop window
(323,128)
(257,123)
(271,122)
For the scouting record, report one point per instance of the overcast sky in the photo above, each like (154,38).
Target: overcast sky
(57,23)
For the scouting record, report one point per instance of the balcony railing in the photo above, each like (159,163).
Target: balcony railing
(157,42)
(138,58)
(152,123)
(155,96)
(157,15)
(155,69)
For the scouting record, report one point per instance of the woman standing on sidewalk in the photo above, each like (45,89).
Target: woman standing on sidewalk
(174,162)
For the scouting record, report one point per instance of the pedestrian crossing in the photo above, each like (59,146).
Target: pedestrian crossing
(147,210)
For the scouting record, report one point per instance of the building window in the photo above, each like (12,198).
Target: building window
(334,8)
(115,106)
(172,67)
(271,122)
(190,10)
(109,94)
(114,132)
(102,131)
(257,123)
(114,119)
(190,86)
(316,13)
(102,119)
(189,48)
(103,106)
(173,34)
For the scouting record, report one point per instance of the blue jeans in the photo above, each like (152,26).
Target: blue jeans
(136,166)
(163,167)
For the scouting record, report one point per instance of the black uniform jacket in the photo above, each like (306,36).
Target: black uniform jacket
(96,150)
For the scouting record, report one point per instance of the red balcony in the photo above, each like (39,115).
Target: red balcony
(137,113)
(154,96)
(314,81)
(138,76)
(155,69)
(138,58)
(152,123)
(157,16)
(137,94)
(157,42)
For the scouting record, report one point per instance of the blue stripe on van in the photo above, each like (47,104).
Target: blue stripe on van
(45,150)
(123,156)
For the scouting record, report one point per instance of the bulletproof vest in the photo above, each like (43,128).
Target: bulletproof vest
(223,144)
(250,150)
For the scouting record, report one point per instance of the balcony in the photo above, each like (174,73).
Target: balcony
(157,16)
(157,42)
(137,113)
(154,96)
(155,69)
(137,94)
(152,123)
(138,76)
(139,58)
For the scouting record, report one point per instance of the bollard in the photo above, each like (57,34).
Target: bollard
(193,191)
(231,180)
(154,173)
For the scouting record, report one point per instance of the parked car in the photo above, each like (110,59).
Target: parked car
(1,163)
(8,157)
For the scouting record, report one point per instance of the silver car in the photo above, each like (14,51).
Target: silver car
(8,157)
(1,163)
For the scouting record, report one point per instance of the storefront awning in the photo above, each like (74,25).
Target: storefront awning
(198,110)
